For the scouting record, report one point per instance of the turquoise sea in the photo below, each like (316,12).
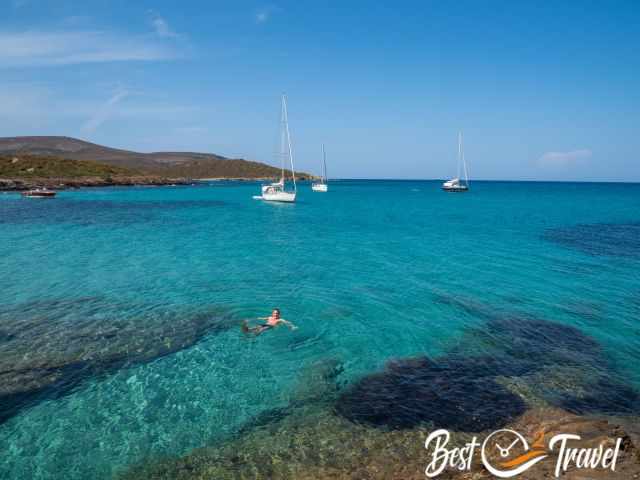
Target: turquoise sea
(120,307)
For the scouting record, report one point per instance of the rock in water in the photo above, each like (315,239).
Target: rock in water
(614,239)
(448,394)
(48,347)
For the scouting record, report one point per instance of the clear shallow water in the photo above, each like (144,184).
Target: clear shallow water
(370,271)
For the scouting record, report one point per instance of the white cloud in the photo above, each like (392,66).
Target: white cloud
(31,48)
(161,26)
(563,159)
(103,112)
(40,108)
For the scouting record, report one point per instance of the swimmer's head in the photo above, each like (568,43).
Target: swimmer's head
(276,313)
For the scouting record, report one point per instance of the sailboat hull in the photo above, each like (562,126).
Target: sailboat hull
(286,197)
(319,187)
(456,188)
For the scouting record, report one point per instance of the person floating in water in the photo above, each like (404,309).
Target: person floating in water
(271,322)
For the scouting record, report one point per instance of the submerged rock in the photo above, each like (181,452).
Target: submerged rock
(532,360)
(44,352)
(309,444)
(615,239)
(541,342)
(313,444)
(547,362)
(603,395)
(317,384)
(452,393)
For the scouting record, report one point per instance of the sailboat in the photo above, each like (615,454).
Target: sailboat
(322,186)
(455,184)
(276,192)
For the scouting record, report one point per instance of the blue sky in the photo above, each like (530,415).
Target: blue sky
(544,90)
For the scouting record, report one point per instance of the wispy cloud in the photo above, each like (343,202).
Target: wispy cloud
(31,48)
(263,15)
(161,26)
(562,159)
(105,111)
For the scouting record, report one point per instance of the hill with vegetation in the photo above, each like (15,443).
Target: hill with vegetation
(31,166)
(165,164)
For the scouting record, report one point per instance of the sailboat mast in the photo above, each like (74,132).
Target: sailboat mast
(286,127)
(466,173)
(283,140)
(459,153)
(324,165)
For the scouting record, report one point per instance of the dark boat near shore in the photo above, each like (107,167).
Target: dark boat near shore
(39,193)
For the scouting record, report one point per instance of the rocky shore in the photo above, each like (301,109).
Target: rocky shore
(63,183)
(309,441)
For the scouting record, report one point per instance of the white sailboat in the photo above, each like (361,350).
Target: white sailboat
(322,186)
(456,184)
(276,192)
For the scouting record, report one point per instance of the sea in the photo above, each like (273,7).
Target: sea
(120,312)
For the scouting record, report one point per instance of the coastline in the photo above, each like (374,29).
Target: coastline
(19,184)
(63,183)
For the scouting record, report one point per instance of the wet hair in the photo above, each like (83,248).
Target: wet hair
(277,310)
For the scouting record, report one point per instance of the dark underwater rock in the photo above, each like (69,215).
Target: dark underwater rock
(541,342)
(315,445)
(615,239)
(540,348)
(316,384)
(468,391)
(449,393)
(46,353)
(604,396)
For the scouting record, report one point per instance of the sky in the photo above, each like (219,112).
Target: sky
(540,90)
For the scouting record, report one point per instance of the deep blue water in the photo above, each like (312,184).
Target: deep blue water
(371,271)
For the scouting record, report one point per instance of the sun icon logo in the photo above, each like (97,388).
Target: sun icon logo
(511,453)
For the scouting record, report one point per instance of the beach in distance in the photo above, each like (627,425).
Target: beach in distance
(514,304)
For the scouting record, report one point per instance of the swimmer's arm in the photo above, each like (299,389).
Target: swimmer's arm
(288,324)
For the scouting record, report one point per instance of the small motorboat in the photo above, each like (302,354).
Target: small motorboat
(39,193)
